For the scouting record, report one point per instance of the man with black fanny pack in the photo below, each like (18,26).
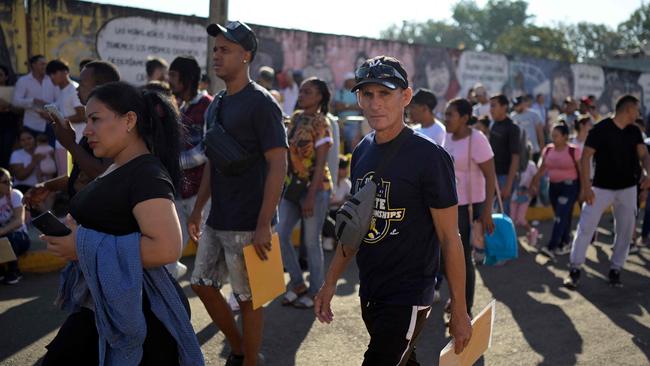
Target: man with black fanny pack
(415,216)
(245,199)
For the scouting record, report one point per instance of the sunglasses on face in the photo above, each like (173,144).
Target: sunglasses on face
(380,71)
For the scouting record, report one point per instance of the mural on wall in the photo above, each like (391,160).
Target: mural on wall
(618,83)
(644,82)
(529,76)
(127,37)
(435,70)
(129,41)
(489,69)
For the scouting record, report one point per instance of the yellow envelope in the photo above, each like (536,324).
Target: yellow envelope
(266,278)
(6,251)
(479,343)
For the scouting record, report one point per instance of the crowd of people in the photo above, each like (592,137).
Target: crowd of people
(152,167)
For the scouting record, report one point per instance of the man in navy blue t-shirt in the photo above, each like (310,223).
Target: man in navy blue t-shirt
(415,217)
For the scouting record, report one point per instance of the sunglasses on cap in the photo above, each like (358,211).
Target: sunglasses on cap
(379,71)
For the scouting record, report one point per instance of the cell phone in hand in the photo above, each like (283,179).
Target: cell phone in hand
(53,110)
(49,225)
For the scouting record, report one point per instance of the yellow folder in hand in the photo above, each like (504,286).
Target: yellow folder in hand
(6,251)
(479,343)
(266,278)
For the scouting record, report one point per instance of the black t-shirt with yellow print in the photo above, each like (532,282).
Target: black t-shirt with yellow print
(399,258)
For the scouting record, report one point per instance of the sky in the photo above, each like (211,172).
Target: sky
(367,19)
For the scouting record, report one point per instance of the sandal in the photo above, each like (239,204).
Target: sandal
(291,296)
(304,302)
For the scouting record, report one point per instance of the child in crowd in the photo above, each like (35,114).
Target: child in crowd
(341,194)
(46,167)
(521,199)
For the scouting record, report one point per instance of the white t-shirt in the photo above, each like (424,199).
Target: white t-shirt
(7,207)
(290,95)
(481,152)
(67,101)
(47,165)
(436,132)
(479,110)
(342,190)
(23,158)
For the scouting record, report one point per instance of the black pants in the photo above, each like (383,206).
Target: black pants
(77,342)
(393,332)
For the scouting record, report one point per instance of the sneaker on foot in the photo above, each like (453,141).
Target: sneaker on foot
(235,360)
(563,250)
(615,278)
(572,281)
(547,253)
(633,249)
(533,235)
(13,278)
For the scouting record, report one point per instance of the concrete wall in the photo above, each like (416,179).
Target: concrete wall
(73,30)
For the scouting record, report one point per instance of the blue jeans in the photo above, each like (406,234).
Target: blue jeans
(290,214)
(20,244)
(502,179)
(563,197)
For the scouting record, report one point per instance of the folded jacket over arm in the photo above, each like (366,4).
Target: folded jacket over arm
(110,269)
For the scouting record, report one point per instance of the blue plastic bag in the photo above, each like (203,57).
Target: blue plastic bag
(501,245)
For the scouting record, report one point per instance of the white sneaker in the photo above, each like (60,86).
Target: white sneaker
(328,244)
(563,250)
(232,301)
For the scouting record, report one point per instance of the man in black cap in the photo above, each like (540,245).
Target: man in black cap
(421,111)
(398,258)
(243,209)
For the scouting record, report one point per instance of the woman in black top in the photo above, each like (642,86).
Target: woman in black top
(138,131)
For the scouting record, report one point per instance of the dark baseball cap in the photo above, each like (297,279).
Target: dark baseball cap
(383,70)
(237,32)
(425,97)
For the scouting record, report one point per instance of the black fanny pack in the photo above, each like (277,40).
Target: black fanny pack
(225,153)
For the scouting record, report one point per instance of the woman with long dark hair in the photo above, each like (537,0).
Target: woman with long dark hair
(560,161)
(307,189)
(126,309)
(475,176)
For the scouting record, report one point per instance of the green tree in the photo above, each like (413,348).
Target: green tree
(591,41)
(532,41)
(636,29)
(430,32)
(484,25)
